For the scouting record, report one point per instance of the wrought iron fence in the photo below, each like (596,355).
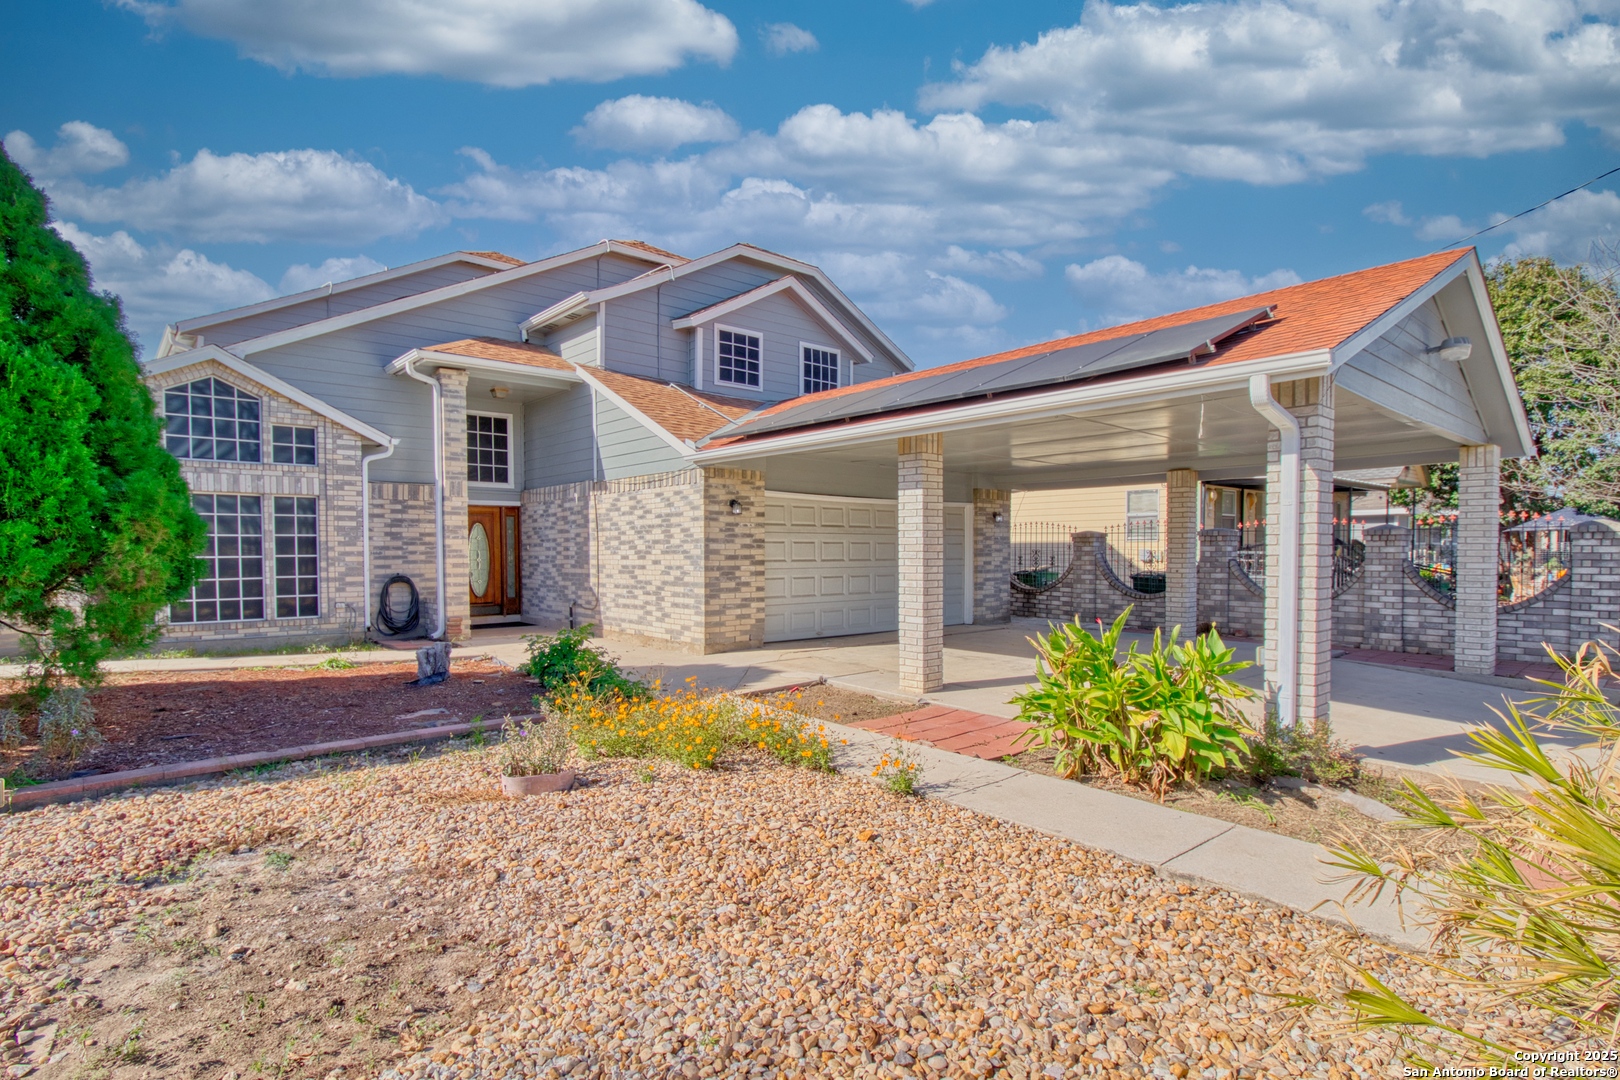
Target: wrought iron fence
(1251,552)
(1041,552)
(1135,554)
(1531,557)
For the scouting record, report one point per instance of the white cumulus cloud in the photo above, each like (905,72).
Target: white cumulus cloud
(80,148)
(304,276)
(638,122)
(1121,289)
(301,195)
(1006,264)
(783,38)
(508,43)
(1274,91)
(1568,229)
(159,285)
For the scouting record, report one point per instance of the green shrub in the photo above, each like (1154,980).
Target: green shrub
(1153,719)
(11,732)
(568,659)
(534,747)
(1531,906)
(1312,753)
(67,724)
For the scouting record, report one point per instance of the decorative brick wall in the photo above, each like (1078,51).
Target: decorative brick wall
(992,555)
(921,519)
(1227,598)
(1585,606)
(334,482)
(1089,590)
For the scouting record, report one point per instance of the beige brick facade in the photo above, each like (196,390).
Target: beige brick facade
(458,601)
(992,555)
(1181,550)
(1479,509)
(921,520)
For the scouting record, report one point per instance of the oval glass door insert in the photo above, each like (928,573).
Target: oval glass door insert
(478,559)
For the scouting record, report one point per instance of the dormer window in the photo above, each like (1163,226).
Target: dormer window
(211,420)
(818,369)
(736,358)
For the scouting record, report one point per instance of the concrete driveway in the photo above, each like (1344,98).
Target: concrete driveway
(1406,719)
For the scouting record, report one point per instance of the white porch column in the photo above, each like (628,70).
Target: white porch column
(1310,402)
(1181,551)
(1479,497)
(922,563)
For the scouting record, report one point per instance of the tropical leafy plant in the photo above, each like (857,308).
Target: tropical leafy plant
(1530,908)
(1152,719)
(569,660)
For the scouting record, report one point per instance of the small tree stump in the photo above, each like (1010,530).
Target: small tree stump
(432,664)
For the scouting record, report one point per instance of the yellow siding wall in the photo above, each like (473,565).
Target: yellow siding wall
(1081,508)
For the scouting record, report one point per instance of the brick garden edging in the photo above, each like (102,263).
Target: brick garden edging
(159,775)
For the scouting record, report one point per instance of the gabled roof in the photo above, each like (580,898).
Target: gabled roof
(509,352)
(227,359)
(685,413)
(573,307)
(788,283)
(668,256)
(503,275)
(497,257)
(1316,324)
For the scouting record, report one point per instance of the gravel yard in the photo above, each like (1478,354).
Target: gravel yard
(159,718)
(403,920)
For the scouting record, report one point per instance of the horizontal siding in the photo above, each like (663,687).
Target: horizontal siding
(324,307)
(627,447)
(1080,508)
(1397,373)
(576,341)
(557,445)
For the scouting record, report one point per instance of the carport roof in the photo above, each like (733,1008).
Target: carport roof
(1312,317)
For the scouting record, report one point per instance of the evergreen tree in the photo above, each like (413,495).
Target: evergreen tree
(96,527)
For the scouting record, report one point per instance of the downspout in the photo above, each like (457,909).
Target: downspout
(365,518)
(1287,643)
(438,497)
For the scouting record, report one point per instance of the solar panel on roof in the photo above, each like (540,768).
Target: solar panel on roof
(1018,373)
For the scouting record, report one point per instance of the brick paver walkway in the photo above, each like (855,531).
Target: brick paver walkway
(956,730)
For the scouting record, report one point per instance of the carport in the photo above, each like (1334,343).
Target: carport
(1401,364)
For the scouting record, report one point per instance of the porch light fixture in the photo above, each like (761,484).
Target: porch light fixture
(736,507)
(1454,350)
(499,392)
(998,517)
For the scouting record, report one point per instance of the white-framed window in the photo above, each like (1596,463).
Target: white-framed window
(292,445)
(737,357)
(298,565)
(489,449)
(232,586)
(818,368)
(1142,514)
(211,420)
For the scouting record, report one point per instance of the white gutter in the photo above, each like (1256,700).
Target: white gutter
(442,594)
(974,413)
(365,518)
(1286,647)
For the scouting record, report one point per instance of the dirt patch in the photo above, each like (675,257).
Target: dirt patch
(273,962)
(833,704)
(1318,819)
(161,718)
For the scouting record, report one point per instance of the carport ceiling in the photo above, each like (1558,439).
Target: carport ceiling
(1220,435)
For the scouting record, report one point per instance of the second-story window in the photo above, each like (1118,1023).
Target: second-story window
(211,420)
(489,449)
(820,370)
(292,445)
(736,358)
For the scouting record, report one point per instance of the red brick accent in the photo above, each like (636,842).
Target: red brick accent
(957,730)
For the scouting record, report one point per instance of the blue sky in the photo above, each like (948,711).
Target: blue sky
(977,175)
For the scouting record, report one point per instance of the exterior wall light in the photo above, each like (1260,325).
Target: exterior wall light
(1454,350)
(998,517)
(499,392)
(736,507)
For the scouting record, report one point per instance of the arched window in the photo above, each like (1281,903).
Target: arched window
(211,420)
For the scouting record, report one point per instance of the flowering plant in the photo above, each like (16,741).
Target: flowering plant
(534,747)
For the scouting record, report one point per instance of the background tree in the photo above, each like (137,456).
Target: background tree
(1561,327)
(96,527)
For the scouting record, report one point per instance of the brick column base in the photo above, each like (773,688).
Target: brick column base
(1479,508)
(1181,551)
(921,521)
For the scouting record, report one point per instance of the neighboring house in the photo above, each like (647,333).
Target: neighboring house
(723,451)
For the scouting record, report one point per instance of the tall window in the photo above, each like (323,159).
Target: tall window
(211,420)
(820,370)
(292,445)
(736,358)
(489,449)
(232,586)
(298,593)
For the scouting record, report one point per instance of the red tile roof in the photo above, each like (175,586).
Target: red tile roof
(683,412)
(512,352)
(1314,315)
(660,252)
(497,256)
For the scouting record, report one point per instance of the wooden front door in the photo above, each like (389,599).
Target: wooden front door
(494,562)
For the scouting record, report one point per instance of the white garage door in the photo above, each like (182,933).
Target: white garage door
(830,566)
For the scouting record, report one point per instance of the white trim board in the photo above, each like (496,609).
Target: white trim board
(782,284)
(176,361)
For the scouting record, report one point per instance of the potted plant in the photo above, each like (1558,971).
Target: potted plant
(533,755)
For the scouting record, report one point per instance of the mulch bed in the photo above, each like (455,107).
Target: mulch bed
(161,718)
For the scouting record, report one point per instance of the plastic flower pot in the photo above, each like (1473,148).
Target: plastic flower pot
(539,784)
